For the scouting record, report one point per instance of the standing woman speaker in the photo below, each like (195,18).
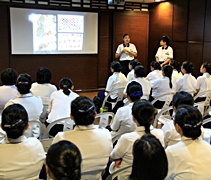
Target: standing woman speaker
(126,52)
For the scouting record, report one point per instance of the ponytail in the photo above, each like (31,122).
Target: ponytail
(66,84)
(168,73)
(66,91)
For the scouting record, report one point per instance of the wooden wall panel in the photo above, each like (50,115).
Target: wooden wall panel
(207,52)
(196,20)
(207,30)
(180,51)
(180,19)
(136,25)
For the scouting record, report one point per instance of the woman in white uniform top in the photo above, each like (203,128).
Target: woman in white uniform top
(126,52)
(132,65)
(204,81)
(95,144)
(122,154)
(123,121)
(176,74)
(190,158)
(188,82)
(21,157)
(155,71)
(59,106)
(32,104)
(162,86)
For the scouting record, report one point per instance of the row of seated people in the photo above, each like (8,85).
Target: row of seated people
(22,158)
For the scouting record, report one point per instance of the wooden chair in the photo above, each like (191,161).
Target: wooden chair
(68,126)
(118,172)
(104,118)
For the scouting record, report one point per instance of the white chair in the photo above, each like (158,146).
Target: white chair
(118,172)
(68,125)
(44,114)
(46,143)
(34,130)
(204,106)
(119,97)
(104,118)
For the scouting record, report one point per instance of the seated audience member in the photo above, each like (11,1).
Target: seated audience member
(123,121)
(143,114)
(189,158)
(95,144)
(171,136)
(32,104)
(176,74)
(204,81)
(162,86)
(139,74)
(21,157)
(150,161)
(188,82)
(132,64)
(42,87)
(115,81)
(59,106)
(156,73)
(8,90)
(63,161)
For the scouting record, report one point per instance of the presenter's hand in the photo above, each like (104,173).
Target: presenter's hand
(125,50)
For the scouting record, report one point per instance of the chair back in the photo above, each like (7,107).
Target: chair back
(118,172)
(104,118)
(44,114)
(34,130)
(68,125)
(168,99)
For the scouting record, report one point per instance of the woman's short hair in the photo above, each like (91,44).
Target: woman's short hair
(23,83)
(66,84)
(64,161)
(43,75)
(207,66)
(83,111)
(134,63)
(188,66)
(14,120)
(150,161)
(144,112)
(140,71)
(116,66)
(155,65)
(9,76)
(190,120)
(182,97)
(134,91)
(125,35)
(165,39)
(175,65)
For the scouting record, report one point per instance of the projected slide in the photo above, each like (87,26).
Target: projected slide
(53,32)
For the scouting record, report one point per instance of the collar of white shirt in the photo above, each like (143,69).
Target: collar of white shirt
(184,138)
(25,95)
(84,128)
(15,141)
(142,128)
(206,74)
(186,75)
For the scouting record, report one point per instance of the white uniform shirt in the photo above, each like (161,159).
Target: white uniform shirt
(189,159)
(43,90)
(176,75)
(164,53)
(124,148)
(186,83)
(59,106)
(171,136)
(161,87)
(156,74)
(126,56)
(123,121)
(94,144)
(204,83)
(7,93)
(130,75)
(145,87)
(115,81)
(22,158)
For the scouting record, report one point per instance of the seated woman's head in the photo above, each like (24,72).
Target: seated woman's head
(188,121)
(175,65)
(63,161)
(134,91)
(115,66)
(14,121)
(139,71)
(133,63)
(9,76)
(150,161)
(23,83)
(187,67)
(155,66)
(143,114)
(43,75)
(66,84)
(83,111)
